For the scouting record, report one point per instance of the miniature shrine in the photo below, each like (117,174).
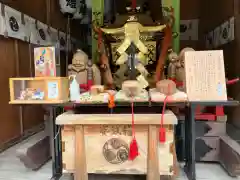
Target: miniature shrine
(121,106)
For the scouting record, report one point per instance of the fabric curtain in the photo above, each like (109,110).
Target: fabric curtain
(14,24)
(189,30)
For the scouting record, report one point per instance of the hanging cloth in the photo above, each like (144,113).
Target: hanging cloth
(44,38)
(14,23)
(81,9)
(62,41)
(53,35)
(2,21)
(68,6)
(31,30)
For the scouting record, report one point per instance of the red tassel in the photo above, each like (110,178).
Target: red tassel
(162,135)
(133,149)
(162,130)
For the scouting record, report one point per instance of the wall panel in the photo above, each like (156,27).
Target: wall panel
(16,61)
(9,116)
(32,115)
(189,9)
(214,13)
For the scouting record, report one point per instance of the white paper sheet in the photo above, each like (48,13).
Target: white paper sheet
(205,76)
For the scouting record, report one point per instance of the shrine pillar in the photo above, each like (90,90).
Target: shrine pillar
(176,27)
(97,18)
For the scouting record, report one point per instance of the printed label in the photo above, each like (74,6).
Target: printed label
(52,90)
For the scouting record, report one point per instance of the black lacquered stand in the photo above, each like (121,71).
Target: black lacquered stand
(139,108)
(190,137)
(56,143)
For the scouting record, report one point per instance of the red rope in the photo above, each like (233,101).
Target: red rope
(163,110)
(133,130)
(134,4)
(133,148)
(162,130)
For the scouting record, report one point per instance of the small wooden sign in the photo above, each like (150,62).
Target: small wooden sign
(205,76)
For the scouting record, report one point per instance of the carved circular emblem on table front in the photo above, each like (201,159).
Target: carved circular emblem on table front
(115,151)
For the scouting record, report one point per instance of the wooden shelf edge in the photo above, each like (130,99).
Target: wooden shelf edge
(37,102)
(35,78)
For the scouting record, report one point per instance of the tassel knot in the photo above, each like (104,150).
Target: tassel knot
(133,148)
(162,130)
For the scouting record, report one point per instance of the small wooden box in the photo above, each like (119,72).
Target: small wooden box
(99,143)
(55,89)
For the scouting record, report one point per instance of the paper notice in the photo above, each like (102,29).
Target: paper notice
(52,90)
(205,76)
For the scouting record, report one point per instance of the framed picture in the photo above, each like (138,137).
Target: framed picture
(45,61)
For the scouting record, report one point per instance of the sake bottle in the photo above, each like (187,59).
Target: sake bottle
(74,89)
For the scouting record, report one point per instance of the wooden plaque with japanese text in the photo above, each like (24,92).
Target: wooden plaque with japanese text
(205,76)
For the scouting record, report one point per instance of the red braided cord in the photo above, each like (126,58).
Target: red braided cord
(133,131)
(134,4)
(163,110)
(164,107)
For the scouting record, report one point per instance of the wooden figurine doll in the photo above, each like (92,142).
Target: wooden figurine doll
(180,68)
(82,68)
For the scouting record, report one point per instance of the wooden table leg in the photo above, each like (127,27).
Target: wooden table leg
(152,159)
(80,155)
(175,162)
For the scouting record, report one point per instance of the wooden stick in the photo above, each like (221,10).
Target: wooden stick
(48,7)
(80,155)
(152,159)
(16,48)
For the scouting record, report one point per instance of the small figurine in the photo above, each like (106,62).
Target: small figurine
(180,70)
(176,66)
(173,63)
(83,68)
